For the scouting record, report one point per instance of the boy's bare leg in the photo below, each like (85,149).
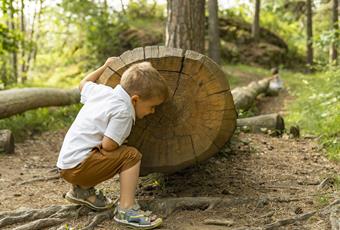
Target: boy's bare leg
(128,184)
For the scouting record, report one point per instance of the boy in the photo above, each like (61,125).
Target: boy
(92,151)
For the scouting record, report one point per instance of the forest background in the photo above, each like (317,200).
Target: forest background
(55,43)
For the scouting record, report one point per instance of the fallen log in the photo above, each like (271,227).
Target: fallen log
(15,101)
(196,121)
(268,123)
(245,96)
(6,141)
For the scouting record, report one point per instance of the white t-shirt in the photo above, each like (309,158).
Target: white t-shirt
(106,111)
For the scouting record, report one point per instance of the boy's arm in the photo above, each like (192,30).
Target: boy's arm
(108,144)
(93,76)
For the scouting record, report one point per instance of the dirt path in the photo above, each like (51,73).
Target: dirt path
(278,178)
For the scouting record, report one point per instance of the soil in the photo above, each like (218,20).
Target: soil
(279,177)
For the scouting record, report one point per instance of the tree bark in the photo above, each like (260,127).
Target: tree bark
(245,96)
(255,31)
(309,34)
(6,141)
(214,32)
(16,101)
(185,25)
(272,123)
(335,27)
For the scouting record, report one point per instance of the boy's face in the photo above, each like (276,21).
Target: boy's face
(145,107)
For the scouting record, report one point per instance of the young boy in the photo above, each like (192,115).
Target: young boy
(93,149)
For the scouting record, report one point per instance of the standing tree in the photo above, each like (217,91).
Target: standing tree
(12,27)
(255,30)
(335,27)
(185,25)
(214,32)
(309,27)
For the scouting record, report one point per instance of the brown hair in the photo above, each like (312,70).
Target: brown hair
(145,81)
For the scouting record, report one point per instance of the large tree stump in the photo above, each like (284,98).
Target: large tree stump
(14,101)
(6,141)
(197,120)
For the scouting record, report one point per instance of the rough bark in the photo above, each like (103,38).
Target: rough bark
(15,101)
(255,32)
(6,141)
(272,123)
(245,96)
(214,32)
(185,25)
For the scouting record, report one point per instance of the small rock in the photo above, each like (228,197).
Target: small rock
(270,147)
(16,194)
(298,211)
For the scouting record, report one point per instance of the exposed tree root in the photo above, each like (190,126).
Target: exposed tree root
(166,206)
(287,221)
(52,216)
(55,215)
(331,208)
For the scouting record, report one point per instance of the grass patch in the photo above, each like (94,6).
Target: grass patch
(36,121)
(316,106)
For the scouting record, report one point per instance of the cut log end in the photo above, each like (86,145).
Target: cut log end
(6,141)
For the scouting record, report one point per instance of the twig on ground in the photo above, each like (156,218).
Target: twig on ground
(40,179)
(218,222)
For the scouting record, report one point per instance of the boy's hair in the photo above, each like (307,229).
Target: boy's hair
(145,81)
(275,70)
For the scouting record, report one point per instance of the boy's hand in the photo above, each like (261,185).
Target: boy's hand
(109,61)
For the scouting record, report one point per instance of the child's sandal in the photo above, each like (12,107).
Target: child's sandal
(79,196)
(137,218)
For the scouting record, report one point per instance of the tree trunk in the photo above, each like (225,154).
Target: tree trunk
(268,123)
(255,30)
(309,34)
(335,27)
(16,101)
(23,42)
(245,96)
(185,25)
(6,141)
(214,32)
(12,27)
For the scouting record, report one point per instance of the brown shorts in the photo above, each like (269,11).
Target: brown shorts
(101,165)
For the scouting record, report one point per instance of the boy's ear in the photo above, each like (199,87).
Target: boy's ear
(134,99)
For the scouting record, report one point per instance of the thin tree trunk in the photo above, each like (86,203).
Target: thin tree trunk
(309,34)
(185,25)
(23,42)
(34,50)
(255,31)
(335,27)
(14,53)
(214,32)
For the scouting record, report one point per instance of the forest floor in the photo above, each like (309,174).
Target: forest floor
(270,179)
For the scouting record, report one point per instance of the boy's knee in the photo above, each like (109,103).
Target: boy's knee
(133,153)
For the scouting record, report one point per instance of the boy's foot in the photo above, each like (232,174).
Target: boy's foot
(136,218)
(91,198)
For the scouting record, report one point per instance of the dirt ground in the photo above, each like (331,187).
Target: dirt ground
(277,177)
